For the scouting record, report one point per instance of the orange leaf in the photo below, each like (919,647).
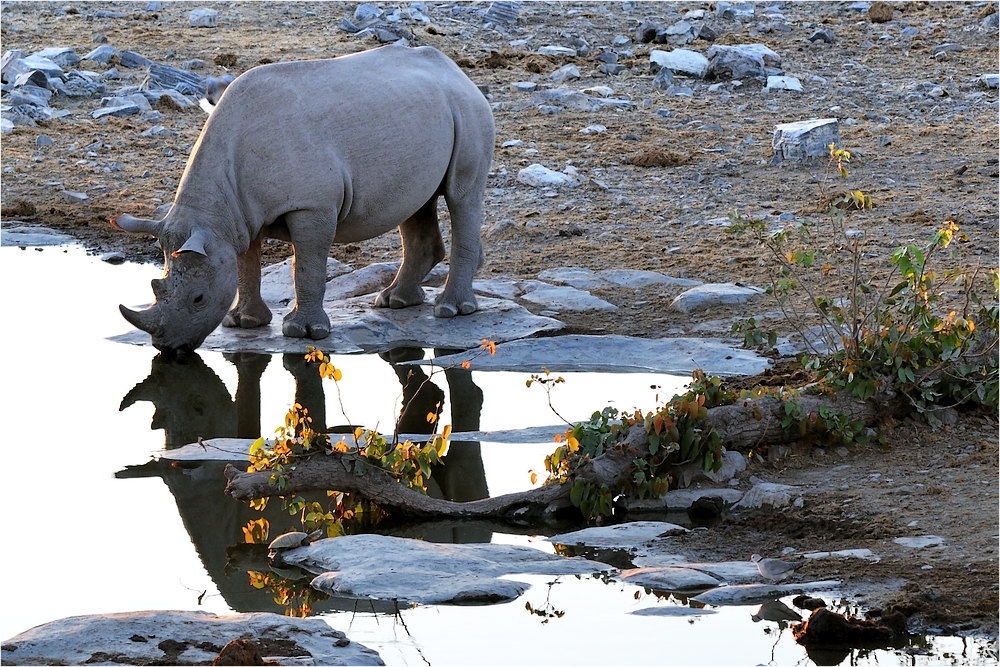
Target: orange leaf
(534,478)
(466,365)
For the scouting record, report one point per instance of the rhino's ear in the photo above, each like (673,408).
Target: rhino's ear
(195,243)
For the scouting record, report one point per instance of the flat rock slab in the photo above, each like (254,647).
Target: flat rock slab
(673,611)
(620,536)
(180,637)
(669,579)
(863,554)
(768,494)
(704,297)
(356,326)
(561,298)
(587,279)
(30,237)
(920,542)
(412,571)
(238,449)
(619,354)
(750,593)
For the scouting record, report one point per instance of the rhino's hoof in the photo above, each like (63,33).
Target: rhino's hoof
(293,329)
(318,332)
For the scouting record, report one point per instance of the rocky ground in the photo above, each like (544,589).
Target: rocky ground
(651,190)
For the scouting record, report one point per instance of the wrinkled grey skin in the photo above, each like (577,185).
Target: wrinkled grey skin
(315,153)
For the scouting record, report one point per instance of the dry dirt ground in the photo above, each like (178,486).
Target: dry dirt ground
(926,154)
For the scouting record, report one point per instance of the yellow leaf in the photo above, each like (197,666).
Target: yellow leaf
(431,417)
(572,443)
(337,375)
(257,444)
(447,432)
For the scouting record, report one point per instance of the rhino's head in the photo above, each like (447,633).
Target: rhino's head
(197,288)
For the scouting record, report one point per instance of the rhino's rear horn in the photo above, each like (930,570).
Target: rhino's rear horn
(133,225)
(146,320)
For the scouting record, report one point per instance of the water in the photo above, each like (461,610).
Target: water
(94,525)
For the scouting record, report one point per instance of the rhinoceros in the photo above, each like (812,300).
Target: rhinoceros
(321,152)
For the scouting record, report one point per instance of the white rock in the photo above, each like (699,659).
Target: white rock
(203,18)
(863,554)
(539,176)
(920,542)
(669,579)
(277,287)
(679,60)
(622,535)
(740,60)
(6,126)
(806,138)
(62,56)
(414,571)
(713,295)
(78,640)
(565,73)
(636,279)
(618,354)
(556,51)
(593,129)
(784,83)
(768,494)
(604,91)
(563,298)
(33,236)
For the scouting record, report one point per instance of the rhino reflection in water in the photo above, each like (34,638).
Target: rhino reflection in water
(192,401)
(318,152)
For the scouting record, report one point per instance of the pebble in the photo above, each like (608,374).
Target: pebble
(524,86)
(113,257)
(71,197)
(43,140)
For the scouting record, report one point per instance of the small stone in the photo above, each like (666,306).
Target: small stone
(822,35)
(203,18)
(524,86)
(611,69)
(43,140)
(740,61)
(113,257)
(783,83)
(679,60)
(102,54)
(129,109)
(154,6)
(539,176)
(99,38)
(550,50)
(909,31)
(593,129)
(62,56)
(71,197)
(513,143)
(989,80)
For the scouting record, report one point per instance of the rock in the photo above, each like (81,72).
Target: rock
(539,176)
(646,32)
(740,61)
(19,99)
(863,554)
(768,494)
(176,99)
(154,6)
(600,354)
(556,51)
(825,628)
(823,35)
(133,60)
(682,500)
(503,12)
(43,65)
(806,138)
(366,13)
(165,76)
(564,298)
(576,99)
(9,67)
(619,536)
(783,83)
(679,33)
(611,69)
(881,12)
(413,571)
(594,129)
(664,79)
(989,80)
(15,235)
(741,594)
(129,109)
(33,78)
(73,197)
(6,126)
(524,86)
(62,56)
(742,12)
(679,60)
(669,579)
(113,257)
(102,54)
(41,139)
(178,637)
(921,542)
(992,21)
(203,18)
(704,297)
(565,73)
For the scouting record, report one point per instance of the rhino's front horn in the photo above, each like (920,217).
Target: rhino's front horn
(133,225)
(145,320)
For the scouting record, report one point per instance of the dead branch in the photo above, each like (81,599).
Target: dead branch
(740,427)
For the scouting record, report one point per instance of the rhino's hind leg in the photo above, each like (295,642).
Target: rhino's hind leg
(250,310)
(422,250)
(312,235)
(466,258)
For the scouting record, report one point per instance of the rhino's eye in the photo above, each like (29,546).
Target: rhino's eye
(200,299)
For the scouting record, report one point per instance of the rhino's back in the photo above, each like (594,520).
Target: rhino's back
(337,132)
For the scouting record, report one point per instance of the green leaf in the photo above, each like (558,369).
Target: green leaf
(577,494)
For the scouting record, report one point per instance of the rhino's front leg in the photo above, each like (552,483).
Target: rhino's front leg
(312,235)
(250,310)
(466,258)
(422,249)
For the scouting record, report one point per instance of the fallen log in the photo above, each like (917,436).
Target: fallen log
(742,425)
